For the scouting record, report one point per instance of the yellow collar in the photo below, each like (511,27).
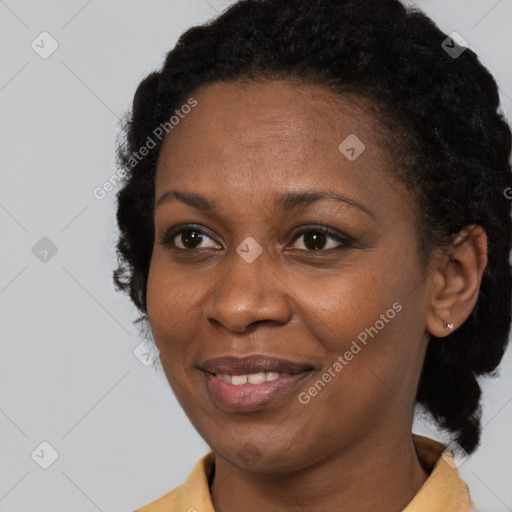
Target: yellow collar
(443,491)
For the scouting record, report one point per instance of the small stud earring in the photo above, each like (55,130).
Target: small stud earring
(448,326)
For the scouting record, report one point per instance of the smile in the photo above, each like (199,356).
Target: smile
(237,393)
(253,378)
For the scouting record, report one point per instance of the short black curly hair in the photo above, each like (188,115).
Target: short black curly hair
(442,112)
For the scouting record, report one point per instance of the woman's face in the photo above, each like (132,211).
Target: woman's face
(260,170)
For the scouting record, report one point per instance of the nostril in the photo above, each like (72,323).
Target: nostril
(215,323)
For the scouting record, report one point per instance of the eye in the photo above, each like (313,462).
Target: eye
(322,238)
(318,238)
(187,238)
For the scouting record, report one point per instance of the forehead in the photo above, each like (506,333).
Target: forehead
(272,111)
(279,131)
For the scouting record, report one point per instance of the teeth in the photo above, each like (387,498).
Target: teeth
(253,378)
(256,378)
(236,380)
(225,377)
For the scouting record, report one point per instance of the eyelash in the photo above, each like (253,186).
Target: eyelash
(345,241)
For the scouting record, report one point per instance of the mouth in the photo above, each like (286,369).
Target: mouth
(251,383)
(233,365)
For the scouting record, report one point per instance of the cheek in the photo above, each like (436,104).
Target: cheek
(371,318)
(370,325)
(340,308)
(169,300)
(169,307)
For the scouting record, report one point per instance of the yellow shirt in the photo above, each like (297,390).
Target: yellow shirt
(443,491)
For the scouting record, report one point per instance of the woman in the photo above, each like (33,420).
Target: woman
(314,225)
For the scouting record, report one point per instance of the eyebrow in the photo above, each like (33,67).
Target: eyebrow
(285,202)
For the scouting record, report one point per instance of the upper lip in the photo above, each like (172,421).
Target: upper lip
(234,365)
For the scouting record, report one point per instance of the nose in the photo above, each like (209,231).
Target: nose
(248,294)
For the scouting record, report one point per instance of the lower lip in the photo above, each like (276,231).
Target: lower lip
(249,397)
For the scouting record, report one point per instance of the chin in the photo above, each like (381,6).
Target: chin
(263,458)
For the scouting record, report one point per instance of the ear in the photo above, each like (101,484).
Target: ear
(456,274)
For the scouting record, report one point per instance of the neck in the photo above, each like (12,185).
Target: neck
(376,476)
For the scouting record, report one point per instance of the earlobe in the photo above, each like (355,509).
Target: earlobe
(448,326)
(456,278)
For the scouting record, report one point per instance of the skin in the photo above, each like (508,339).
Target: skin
(350,448)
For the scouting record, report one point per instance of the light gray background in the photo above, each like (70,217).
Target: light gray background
(68,375)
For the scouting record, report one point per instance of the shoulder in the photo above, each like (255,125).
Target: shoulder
(193,493)
(444,491)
